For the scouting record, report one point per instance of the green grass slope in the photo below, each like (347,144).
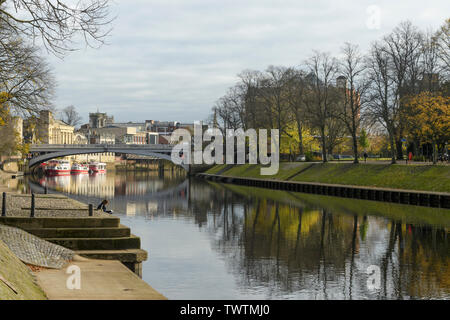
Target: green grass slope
(410,177)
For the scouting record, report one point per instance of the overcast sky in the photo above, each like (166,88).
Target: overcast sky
(172,59)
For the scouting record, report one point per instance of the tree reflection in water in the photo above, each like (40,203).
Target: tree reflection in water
(305,251)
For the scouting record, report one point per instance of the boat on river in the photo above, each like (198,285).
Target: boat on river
(58,167)
(79,168)
(97,167)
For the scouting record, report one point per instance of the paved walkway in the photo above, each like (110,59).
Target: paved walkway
(100,280)
(46,205)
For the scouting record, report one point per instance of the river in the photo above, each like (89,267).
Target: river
(220,241)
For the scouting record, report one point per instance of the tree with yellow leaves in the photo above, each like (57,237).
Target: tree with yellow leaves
(428,117)
(4,111)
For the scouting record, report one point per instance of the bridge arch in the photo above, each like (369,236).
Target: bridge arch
(71,152)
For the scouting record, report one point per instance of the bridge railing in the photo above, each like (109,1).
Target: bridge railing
(109,146)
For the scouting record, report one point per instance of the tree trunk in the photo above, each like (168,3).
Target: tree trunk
(434,152)
(300,138)
(393,153)
(399,145)
(324,147)
(355,148)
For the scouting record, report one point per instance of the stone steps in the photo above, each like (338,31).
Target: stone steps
(61,222)
(131,242)
(92,237)
(102,232)
(125,255)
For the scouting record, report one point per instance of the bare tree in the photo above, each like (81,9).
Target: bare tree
(295,95)
(383,103)
(321,94)
(403,46)
(25,77)
(430,63)
(273,92)
(250,82)
(353,92)
(58,23)
(70,116)
(442,39)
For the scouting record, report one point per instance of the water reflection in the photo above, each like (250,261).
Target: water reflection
(209,241)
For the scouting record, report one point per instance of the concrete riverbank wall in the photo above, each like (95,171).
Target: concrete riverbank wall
(418,198)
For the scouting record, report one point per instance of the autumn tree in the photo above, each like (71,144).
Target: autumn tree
(10,141)
(364,139)
(428,116)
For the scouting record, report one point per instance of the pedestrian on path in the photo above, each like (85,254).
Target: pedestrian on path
(102,206)
(365,156)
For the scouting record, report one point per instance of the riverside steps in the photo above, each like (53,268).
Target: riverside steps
(411,197)
(66,222)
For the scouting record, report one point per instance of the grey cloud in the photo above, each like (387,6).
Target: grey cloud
(172,59)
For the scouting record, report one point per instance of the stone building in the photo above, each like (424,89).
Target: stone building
(52,131)
(100,120)
(18,127)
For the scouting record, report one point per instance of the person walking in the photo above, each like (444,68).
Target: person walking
(365,156)
(102,206)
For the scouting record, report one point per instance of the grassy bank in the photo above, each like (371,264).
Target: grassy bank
(411,177)
(19,285)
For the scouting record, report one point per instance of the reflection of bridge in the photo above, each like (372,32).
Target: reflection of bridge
(51,151)
(174,196)
(172,192)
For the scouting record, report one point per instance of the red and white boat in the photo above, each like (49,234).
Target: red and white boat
(97,167)
(79,168)
(58,167)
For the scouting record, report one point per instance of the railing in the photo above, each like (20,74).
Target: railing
(33,205)
(109,146)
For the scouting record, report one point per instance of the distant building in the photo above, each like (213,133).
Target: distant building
(148,132)
(99,137)
(79,138)
(162,127)
(18,127)
(137,125)
(100,120)
(430,82)
(49,130)
(341,82)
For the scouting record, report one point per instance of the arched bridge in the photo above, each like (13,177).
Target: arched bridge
(52,151)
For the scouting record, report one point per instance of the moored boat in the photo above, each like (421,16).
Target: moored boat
(78,168)
(58,167)
(97,167)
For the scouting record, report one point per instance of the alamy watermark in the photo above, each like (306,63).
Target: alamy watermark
(374,279)
(249,146)
(73,282)
(373,21)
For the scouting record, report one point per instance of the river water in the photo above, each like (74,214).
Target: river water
(219,241)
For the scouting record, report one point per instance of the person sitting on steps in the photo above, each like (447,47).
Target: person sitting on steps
(102,206)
